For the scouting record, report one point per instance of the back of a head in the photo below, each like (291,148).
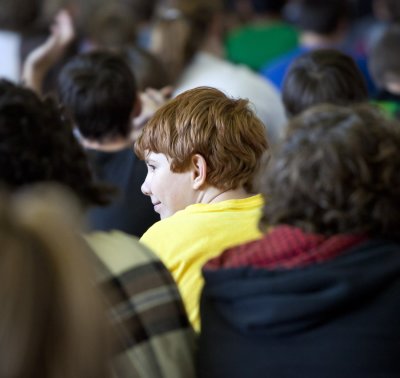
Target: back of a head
(179,32)
(386,10)
(384,58)
(337,172)
(148,70)
(205,121)
(18,15)
(142,11)
(273,7)
(320,17)
(99,92)
(38,145)
(111,26)
(322,76)
(52,322)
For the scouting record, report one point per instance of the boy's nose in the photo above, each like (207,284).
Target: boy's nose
(145,188)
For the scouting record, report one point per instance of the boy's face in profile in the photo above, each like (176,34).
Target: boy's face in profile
(169,191)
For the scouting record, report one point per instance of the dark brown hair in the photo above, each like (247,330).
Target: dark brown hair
(99,91)
(337,171)
(320,17)
(37,145)
(322,76)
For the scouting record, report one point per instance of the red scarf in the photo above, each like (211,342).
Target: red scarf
(285,247)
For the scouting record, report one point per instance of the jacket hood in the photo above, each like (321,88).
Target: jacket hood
(262,300)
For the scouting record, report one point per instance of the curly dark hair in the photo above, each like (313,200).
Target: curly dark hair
(38,145)
(336,171)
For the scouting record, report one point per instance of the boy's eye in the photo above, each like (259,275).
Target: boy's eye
(151,167)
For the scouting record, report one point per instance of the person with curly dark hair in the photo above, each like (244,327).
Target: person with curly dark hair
(40,146)
(154,336)
(318,295)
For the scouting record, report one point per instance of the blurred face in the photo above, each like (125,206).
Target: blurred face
(169,191)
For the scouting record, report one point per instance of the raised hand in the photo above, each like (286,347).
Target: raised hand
(41,59)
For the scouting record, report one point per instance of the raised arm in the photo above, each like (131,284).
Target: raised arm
(45,56)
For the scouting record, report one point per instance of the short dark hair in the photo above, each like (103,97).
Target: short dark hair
(19,15)
(47,286)
(141,11)
(321,17)
(322,75)
(387,10)
(336,171)
(384,57)
(99,91)
(37,145)
(268,6)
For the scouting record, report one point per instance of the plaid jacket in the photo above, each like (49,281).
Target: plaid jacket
(155,338)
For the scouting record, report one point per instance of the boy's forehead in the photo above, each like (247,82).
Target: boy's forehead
(151,156)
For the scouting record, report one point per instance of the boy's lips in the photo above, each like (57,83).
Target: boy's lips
(156,206)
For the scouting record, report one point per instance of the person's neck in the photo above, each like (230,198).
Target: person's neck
(214,195)
(109,145)
(393,87)
(314,40)
(261,19)
(213,46)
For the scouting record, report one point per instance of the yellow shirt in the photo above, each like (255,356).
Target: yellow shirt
(186,240)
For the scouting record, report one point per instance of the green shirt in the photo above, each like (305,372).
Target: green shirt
(256,44)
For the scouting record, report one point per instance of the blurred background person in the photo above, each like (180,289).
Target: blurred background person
(318,294)
(321,24)
(153,335)
(52,320)
(384,64)
(262,38)
(322,76)
(100,94)
(187,37)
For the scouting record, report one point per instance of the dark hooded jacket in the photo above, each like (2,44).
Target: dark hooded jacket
(301,305)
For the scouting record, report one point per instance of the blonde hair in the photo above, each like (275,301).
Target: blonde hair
(51,320)
(205,121)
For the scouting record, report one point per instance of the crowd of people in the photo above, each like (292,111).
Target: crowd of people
(199,188)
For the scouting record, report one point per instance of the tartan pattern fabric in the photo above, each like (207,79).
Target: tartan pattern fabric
(154,337)
(285,247)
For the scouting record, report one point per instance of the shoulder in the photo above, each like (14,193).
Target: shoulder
(161,236)
(200,222)
(155,338)
(118,251)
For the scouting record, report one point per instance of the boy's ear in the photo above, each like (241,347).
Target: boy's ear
(199,171)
